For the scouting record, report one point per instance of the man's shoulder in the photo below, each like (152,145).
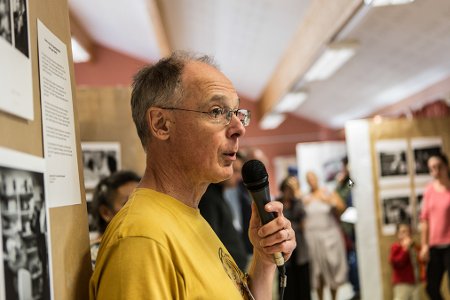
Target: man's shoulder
(143,216)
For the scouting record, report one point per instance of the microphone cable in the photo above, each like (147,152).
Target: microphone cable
(283,280)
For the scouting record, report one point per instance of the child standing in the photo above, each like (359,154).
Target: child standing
(407,269)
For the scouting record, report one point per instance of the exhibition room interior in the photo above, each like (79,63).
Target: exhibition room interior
(305,68)
(362,80)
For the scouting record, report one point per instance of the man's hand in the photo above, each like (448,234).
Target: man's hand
(275,236)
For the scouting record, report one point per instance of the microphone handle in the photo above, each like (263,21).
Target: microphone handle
(261,198)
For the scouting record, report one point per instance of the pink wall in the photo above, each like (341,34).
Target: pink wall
(112,68)
(439,90)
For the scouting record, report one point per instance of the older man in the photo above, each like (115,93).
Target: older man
(159,246)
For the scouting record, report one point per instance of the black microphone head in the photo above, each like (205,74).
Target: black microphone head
(254,175)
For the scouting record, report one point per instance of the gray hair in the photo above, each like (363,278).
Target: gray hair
(160,85)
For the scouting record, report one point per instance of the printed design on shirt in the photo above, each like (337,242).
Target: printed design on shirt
(232,271)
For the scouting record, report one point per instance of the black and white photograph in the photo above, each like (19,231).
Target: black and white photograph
(5,21)
(396,208)
(392,159)
(24,234)
(20,24)
(99,161)
(421,156)
(16,77)
(423,149)
(393,163)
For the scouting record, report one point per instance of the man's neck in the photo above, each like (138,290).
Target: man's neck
(164,176)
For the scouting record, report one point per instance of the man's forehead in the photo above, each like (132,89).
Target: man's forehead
(199,72)
(199,77)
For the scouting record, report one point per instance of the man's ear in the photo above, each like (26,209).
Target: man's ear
(158,123)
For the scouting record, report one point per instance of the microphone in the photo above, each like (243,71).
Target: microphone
(256,180)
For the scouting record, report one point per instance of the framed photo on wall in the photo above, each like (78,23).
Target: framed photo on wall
(392,162)
(422,149)
(25,234)
(100,159)
(396,206)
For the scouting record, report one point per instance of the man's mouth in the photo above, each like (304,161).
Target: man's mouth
(231,154)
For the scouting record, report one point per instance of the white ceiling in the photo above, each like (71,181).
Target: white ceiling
(403,49)
(119,24)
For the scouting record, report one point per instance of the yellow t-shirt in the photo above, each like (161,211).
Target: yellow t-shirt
(159,248)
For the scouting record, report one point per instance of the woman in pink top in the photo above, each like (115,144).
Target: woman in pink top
(435,219)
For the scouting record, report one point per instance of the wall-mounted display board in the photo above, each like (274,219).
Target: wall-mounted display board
(45,229)
(388,163)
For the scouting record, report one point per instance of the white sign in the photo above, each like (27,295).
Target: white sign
(60,150)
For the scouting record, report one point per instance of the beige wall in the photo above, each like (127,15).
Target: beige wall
(104,115)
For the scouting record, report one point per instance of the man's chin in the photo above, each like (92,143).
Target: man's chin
(225,175)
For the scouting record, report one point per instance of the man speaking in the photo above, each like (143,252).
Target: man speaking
(158,246)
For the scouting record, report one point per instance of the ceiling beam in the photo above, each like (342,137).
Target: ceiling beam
(323,20)
(161,36)
(81,35)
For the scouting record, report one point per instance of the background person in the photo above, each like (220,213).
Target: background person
(407,269)
(435,225)
(297,268)
(159,246)
(110,195)
(324,237)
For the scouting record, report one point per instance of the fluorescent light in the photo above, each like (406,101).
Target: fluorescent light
(386,2)
(291,102)
(272,120)
(79,54)
(332,59)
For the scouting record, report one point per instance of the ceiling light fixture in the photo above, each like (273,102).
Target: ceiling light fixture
(272,121)
(290,102)
(386,2)
(79,54)
(334,57)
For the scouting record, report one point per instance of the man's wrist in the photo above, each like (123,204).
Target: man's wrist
(261,261)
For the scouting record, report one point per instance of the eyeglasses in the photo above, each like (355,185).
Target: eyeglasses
(222,115)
